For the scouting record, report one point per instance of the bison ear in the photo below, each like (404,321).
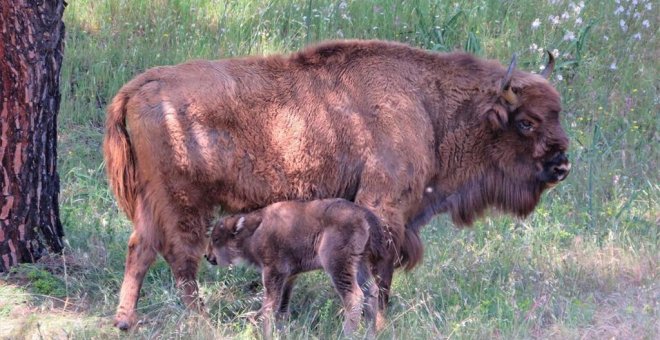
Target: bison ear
(497,117)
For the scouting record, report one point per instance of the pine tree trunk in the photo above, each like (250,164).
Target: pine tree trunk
(30,58)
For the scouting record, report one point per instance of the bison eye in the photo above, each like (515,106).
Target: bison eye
(525,125)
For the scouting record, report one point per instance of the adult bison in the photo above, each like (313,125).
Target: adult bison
(404,132)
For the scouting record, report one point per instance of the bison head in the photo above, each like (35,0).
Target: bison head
(519,152)
(526,128)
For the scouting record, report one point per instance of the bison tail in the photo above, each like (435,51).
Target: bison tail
(412,250)
(118,154)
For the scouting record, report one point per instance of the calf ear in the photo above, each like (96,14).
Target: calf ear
(239,225)
(250,222)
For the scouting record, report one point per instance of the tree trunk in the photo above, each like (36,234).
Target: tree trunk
(30,59)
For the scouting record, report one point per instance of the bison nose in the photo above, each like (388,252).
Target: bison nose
(556,169)
(561,171)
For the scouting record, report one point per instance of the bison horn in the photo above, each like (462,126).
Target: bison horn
(507,92)
(549,66)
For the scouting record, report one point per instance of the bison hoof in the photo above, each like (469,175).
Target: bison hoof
(125,322)
(123,325)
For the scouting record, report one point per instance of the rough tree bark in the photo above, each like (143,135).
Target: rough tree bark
(30,58)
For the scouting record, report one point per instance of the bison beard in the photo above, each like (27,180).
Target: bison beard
(403,132)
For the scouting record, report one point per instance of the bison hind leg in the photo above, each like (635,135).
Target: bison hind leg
(183,249)
(141,254)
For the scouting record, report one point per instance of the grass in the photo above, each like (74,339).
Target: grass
(584,265)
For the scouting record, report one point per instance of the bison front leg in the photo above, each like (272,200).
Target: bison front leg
(384,273)
(389,212)
(141,254)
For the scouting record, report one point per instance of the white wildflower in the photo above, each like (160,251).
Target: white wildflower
(613,66)
(634,2)
(646,23)
(606,38)
(578,21)
(542,67)
(576,8)
(533,47)
(581,3)
(565,15)
(343,5)
(637,15)
(555,52)
(559,77)
(554,20)
(617,1)
(536,23)
(649,6)
(622,24)
(569,36)
(619,10)
(637,36)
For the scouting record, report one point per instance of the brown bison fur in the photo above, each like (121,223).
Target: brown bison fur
(377,123)
(292,237)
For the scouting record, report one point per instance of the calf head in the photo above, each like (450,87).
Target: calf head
(228,238)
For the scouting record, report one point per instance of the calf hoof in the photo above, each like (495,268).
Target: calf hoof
(125,322)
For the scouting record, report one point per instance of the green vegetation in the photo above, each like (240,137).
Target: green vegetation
(585,264)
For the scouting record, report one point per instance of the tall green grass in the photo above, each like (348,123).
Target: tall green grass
(584,265)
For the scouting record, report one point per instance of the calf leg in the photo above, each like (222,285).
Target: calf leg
(343,272)
(283,309)
(274,286)
(351,297)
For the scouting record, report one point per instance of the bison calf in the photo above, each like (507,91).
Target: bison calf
(288,238)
